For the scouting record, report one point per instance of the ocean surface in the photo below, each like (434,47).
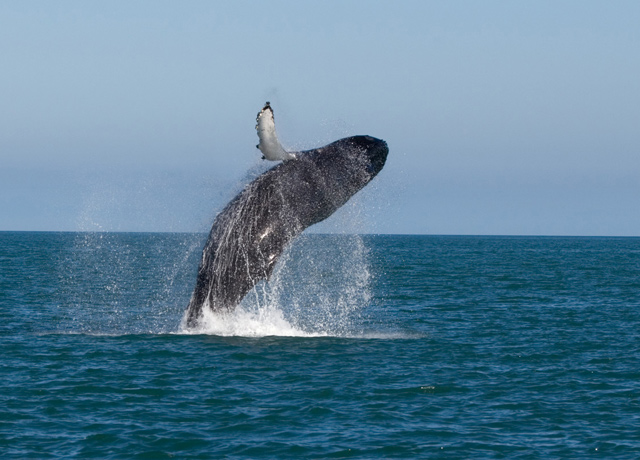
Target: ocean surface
(359,347)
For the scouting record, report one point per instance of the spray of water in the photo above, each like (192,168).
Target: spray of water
(124,283)
(119,283)
(320,287)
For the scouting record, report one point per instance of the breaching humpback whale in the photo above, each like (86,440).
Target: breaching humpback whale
(252,231)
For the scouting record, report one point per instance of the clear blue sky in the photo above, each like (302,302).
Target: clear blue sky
(502,117)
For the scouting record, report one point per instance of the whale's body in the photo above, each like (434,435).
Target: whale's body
(252,231)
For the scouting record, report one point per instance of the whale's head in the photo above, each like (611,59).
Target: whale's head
(342,168)
(357,159)
(319,181)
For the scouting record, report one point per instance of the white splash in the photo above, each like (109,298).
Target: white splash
(268,321)
(319,288)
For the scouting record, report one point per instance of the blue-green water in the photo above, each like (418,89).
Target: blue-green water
(359,347)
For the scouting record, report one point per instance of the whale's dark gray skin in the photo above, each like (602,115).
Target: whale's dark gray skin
(252,231)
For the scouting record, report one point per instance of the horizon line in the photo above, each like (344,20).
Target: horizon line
(495,235)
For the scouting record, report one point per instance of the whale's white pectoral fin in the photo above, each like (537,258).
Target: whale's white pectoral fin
(269,144)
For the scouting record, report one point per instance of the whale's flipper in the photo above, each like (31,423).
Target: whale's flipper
(269,144)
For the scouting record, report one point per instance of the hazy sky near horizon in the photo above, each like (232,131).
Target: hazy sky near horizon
(502,117)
